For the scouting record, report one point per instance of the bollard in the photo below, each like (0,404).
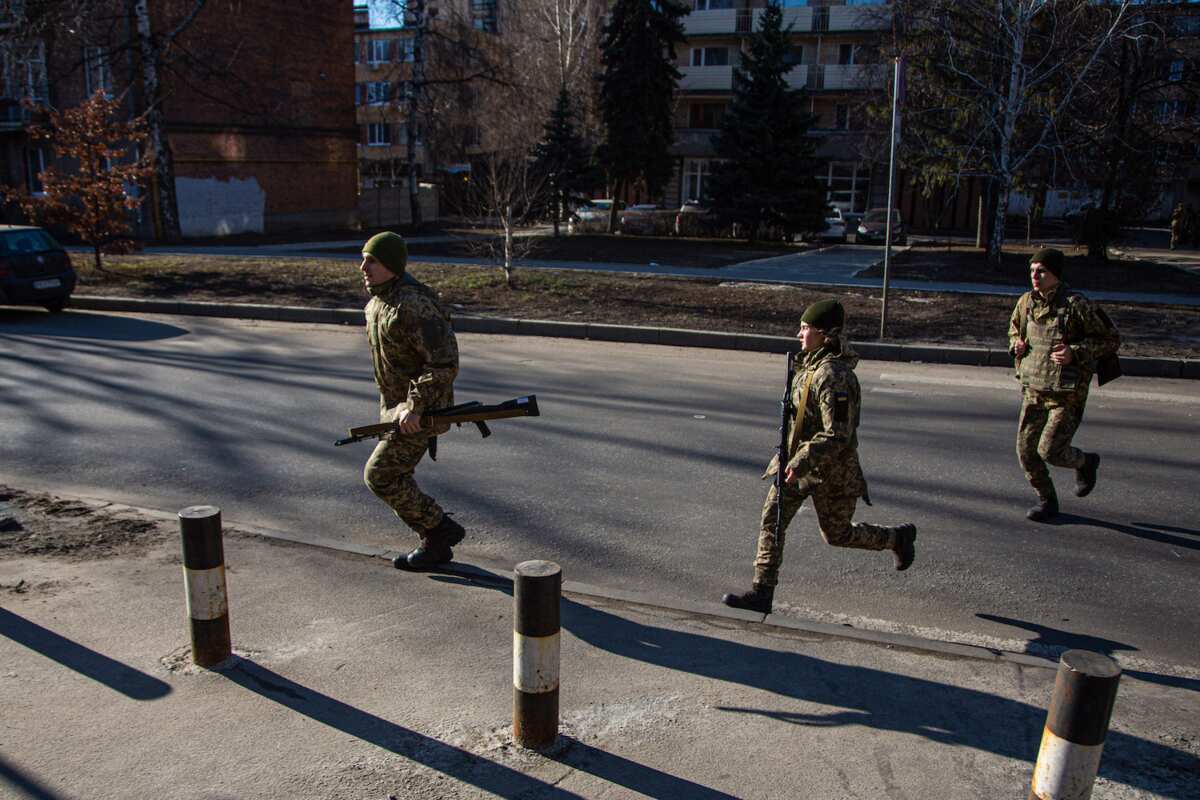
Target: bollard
(204,576)
(537,592)
(1084,692)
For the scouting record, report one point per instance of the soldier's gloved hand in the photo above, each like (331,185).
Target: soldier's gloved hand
(1020,348)
(789,476)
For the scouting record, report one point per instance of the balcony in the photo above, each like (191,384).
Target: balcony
(699,23)
(704,79)
(837,77)
(694,142)
(859,18)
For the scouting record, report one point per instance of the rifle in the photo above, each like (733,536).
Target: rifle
(474,411)
(786,413)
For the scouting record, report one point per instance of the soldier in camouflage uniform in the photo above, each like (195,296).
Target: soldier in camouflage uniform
(822,460)
(415,355)
(1055,336)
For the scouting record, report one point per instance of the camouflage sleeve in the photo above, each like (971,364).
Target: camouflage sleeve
(1089,336)
(837,403)
(1016,326)
(433,339)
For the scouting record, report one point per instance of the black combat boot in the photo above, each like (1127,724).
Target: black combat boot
(1044,511)
(757,599)
(1085,476)
(447,531)
(430,554)
(904,549)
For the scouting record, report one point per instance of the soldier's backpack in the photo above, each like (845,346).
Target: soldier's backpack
(1108,365)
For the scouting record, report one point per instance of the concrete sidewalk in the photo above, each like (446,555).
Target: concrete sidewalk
(354,680)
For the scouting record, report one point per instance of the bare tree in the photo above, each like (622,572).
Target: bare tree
(996,78)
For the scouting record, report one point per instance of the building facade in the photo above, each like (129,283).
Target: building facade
(261,140)
(833,59)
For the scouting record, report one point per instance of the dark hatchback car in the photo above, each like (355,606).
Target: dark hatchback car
(34,269)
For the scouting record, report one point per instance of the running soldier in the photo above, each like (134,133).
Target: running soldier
(415,355)
(822,460)
(1055,336)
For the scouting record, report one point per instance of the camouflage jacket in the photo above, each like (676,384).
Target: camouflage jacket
(412,346)
(824,448)
(1046,322)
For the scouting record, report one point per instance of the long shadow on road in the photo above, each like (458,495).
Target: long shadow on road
(876,698)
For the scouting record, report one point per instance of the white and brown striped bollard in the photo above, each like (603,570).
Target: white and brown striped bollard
(204,576)
(537,592)
(1085,690)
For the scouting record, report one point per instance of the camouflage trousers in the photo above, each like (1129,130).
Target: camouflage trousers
(1047,425)
(389,474)
(834,512)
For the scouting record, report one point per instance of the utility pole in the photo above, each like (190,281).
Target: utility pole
(414,15)
(887,235)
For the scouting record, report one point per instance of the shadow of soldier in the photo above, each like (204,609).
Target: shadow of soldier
(942,713)
(1053,642)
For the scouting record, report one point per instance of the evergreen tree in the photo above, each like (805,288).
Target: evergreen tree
(637,90)
(562,156)
(766,177)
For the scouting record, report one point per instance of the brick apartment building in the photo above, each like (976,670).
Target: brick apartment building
(385,53)
(257,105)
(833,60)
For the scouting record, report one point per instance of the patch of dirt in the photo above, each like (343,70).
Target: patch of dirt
(697,304)
(34,524)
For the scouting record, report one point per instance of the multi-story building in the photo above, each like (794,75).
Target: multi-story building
(833,59)
(261,140)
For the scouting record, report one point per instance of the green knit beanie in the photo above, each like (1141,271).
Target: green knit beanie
(1051,259)
(388,249)
(824,315)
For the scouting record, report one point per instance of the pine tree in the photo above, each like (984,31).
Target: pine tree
(637,89)
(766,178)
(562,156)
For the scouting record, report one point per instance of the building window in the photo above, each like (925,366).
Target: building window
(379,134)
(24,72)
(706,115)
(847,185)
(379,51)
(406,49)
(795,55)
(842,118)
(710,56)
(711,5)
(35,165)
(97,71)
(845,54)
(377,93)
(1175,72)
(483,15)
(695,172)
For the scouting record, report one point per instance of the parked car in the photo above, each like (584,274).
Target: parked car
(694,219)
(872,229)
(591,217)
(834,230)
(34,269)
(644,219)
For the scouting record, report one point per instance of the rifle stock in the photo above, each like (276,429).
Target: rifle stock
(474,411)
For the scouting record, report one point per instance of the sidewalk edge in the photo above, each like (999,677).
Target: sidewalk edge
(1137,366)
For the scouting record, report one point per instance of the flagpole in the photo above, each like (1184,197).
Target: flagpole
(887,236)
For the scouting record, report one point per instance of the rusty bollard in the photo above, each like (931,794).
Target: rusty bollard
(1085,690)
(537,592)
(204,577)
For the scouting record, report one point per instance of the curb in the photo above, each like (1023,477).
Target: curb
(1138,366)
(497,574)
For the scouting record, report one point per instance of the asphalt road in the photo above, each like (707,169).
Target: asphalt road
(642,474)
